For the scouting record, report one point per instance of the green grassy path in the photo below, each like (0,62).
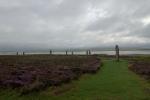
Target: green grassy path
(113,82)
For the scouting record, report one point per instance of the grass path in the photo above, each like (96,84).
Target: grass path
(113,82)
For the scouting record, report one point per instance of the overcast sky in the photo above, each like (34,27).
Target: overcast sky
(73,23)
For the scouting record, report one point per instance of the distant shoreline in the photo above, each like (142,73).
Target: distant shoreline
(106,52)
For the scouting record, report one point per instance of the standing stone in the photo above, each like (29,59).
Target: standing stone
(72,53)
(66,52)
(117,52)
(89,52)
(50,52)
(17,54)
(23,53)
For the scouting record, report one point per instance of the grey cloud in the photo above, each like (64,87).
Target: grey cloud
(72,23)
(142,32)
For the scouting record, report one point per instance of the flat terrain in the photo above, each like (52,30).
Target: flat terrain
(32,73)
(141,66)
(113,82)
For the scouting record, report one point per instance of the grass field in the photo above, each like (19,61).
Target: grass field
(113,82)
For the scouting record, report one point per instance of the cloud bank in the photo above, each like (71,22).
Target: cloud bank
(44,24)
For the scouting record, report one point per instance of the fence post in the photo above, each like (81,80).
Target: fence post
(117,52)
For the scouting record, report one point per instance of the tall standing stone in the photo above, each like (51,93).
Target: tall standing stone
(17,54)
(23,53)
(66,52)
(89,52)
(117,52)
(50,52)
(72,53)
